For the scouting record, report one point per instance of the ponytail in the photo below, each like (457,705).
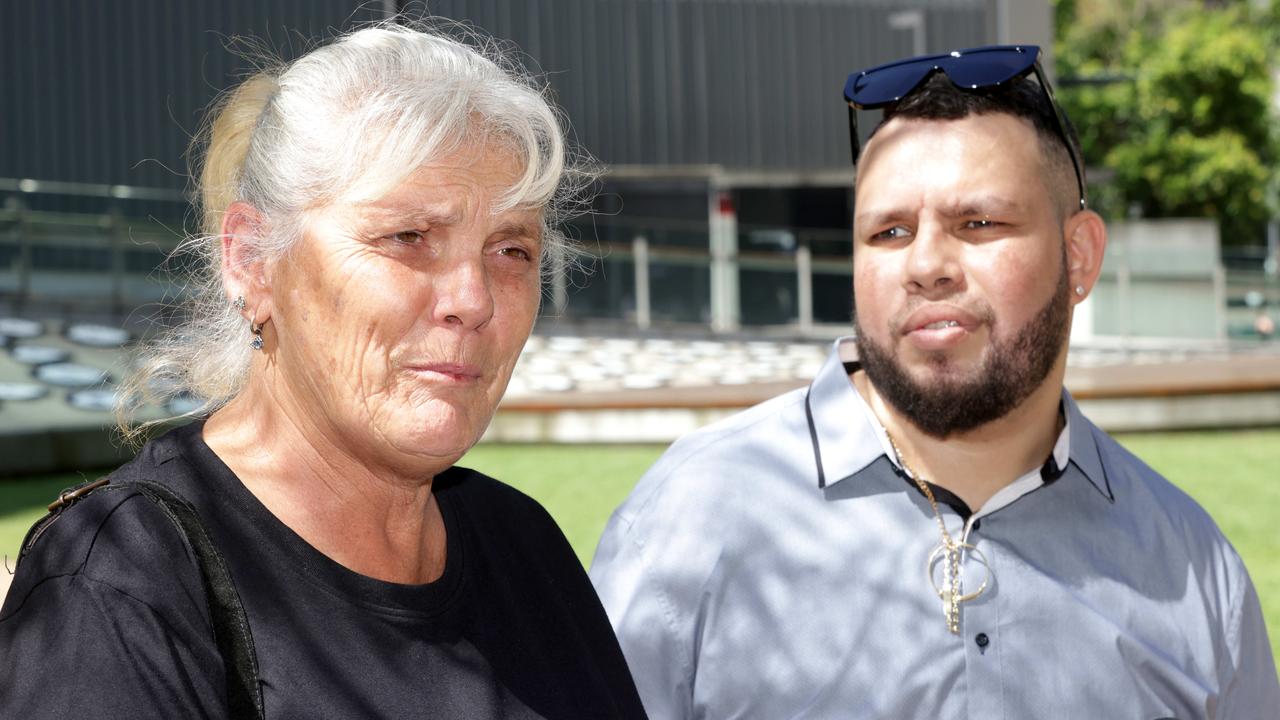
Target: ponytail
(229,135)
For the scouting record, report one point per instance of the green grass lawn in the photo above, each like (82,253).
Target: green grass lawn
(579,485)
(1235,475)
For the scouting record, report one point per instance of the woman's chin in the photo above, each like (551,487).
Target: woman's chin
(436,441)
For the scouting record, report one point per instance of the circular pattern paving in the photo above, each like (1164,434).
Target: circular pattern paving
(97,399)
(38,354)
(184,404)
(20,328)
(21,391)
(65,374)
(103,336)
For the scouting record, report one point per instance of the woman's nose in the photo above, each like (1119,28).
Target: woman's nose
(463,295)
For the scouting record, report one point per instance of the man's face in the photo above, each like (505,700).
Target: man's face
(960,278)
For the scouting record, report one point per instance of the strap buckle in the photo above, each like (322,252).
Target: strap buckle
(68,497)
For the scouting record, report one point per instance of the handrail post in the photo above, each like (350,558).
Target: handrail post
(640,258)
(116,230)
(804,285)
(24,256)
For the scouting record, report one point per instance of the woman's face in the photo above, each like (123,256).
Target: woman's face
(395,324)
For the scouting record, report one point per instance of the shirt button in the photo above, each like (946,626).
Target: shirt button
(982,640)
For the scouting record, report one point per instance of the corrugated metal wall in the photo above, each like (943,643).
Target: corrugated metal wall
(740,83)
(109,92)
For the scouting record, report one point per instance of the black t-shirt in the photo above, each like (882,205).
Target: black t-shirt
(107,616)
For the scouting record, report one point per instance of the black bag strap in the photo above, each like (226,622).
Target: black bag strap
(230,624)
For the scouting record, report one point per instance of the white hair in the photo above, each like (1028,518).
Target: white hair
(348,122)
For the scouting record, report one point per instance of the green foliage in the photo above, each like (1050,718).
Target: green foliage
(1185,121)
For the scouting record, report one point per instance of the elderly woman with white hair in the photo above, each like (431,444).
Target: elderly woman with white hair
(381,212)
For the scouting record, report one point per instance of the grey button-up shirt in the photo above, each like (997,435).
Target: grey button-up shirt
(773,566)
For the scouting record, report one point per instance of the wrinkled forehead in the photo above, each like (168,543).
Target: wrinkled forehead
(389,163)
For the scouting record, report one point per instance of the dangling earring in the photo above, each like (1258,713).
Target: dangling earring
(238,304)
(256,342)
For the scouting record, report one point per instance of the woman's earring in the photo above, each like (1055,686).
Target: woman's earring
(239,303)
(256,342)
(1080,290)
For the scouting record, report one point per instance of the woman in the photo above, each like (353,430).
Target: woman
(380,213)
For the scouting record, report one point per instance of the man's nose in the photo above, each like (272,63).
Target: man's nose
(932,267)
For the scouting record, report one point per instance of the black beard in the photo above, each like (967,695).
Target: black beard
(1010,372)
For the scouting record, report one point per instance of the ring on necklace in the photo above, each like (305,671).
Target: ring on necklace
(974,552)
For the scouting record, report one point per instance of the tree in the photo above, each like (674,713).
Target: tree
(1185,118)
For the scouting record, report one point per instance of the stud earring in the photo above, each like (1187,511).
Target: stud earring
(238,303)
(256,342)
(1080,290)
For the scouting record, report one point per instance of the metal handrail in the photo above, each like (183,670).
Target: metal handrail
(118,192)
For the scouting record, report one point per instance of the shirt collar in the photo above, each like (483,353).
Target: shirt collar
(847,441)
(844,440)
(1085,453)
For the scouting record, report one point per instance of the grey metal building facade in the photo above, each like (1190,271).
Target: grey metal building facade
(721,120)
(108,92)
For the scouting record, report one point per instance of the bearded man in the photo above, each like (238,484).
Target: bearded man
(932,528)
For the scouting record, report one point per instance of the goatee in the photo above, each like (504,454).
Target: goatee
(1011,370)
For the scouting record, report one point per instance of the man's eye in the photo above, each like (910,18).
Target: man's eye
(515,252)
(897,232)
(983,223)
(407,237)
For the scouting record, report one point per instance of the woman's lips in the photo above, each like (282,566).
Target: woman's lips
(452,372)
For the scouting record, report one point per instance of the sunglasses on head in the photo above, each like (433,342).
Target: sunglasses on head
(972,69)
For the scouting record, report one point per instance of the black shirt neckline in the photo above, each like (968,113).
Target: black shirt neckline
(259,523)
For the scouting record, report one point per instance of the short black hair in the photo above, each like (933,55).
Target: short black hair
(937,98)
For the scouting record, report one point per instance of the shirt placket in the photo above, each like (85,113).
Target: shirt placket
(980,628)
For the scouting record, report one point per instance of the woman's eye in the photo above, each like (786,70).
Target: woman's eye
(983,223)
(407,237)
(515,252)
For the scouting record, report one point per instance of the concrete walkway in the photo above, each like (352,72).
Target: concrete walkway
(1229,391)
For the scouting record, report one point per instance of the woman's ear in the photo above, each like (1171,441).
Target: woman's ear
(1086,237)
(244,272)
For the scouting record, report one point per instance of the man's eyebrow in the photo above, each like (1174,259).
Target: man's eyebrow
(985,205)
(964,207)
(876,217)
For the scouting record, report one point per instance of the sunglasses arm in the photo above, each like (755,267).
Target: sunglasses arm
(1060,117)
(853,134)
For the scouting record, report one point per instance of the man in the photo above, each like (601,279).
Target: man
(932,528)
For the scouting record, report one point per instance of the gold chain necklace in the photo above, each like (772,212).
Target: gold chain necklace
(949,551)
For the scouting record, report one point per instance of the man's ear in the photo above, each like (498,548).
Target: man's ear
(1086,237)
(244,272)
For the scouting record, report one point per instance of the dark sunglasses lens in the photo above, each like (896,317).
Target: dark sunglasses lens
(988,68)
(886,84)
(973,69)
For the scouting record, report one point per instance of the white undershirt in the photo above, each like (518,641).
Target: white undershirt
(1005,495)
